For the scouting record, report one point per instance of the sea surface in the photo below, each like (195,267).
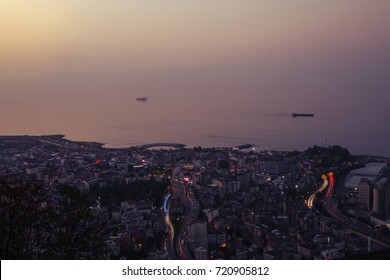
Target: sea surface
(209,122)
(221,74)
(275,130)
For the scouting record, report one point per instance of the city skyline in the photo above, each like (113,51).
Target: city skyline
(190,203)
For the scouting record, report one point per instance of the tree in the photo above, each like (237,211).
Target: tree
(41,224)
(19,224)
(223,164)
(75,233)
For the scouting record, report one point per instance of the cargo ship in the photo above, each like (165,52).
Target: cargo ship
(295,115)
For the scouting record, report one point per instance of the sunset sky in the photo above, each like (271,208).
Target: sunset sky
(62,61)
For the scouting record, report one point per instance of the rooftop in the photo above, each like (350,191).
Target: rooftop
(372,169)
(383,183)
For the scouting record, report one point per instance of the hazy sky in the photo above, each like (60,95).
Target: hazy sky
(76,66)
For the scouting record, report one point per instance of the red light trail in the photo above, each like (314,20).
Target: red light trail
(331,185)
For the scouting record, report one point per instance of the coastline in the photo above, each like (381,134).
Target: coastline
(58,139)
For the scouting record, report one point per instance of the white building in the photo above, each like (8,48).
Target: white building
(371,172)
(198,233)
(365,189)
(221,238)
(381,197)
(331,254)
(211,214)
(379,221)
(200,254)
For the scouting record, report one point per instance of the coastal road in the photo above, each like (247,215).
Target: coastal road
(51,143)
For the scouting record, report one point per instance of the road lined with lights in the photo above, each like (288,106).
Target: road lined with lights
(332,209)
(173,244)
(331,185)
(310,201)
(354,225)
(188,213)
(165,204)
(169,242)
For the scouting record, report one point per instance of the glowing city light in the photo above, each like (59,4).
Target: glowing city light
(165,204)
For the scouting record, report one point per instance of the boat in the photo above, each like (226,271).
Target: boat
(295,115)
(142,99)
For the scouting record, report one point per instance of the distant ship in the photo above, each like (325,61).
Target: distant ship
(142,99)
(302,115)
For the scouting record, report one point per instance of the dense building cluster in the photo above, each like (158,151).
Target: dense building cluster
(245,204)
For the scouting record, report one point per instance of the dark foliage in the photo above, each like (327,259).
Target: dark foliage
(38,223)
(138,190)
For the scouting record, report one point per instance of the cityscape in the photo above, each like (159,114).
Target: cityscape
(63,199)
(194,130)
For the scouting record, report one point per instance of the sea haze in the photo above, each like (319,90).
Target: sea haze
(214,74)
